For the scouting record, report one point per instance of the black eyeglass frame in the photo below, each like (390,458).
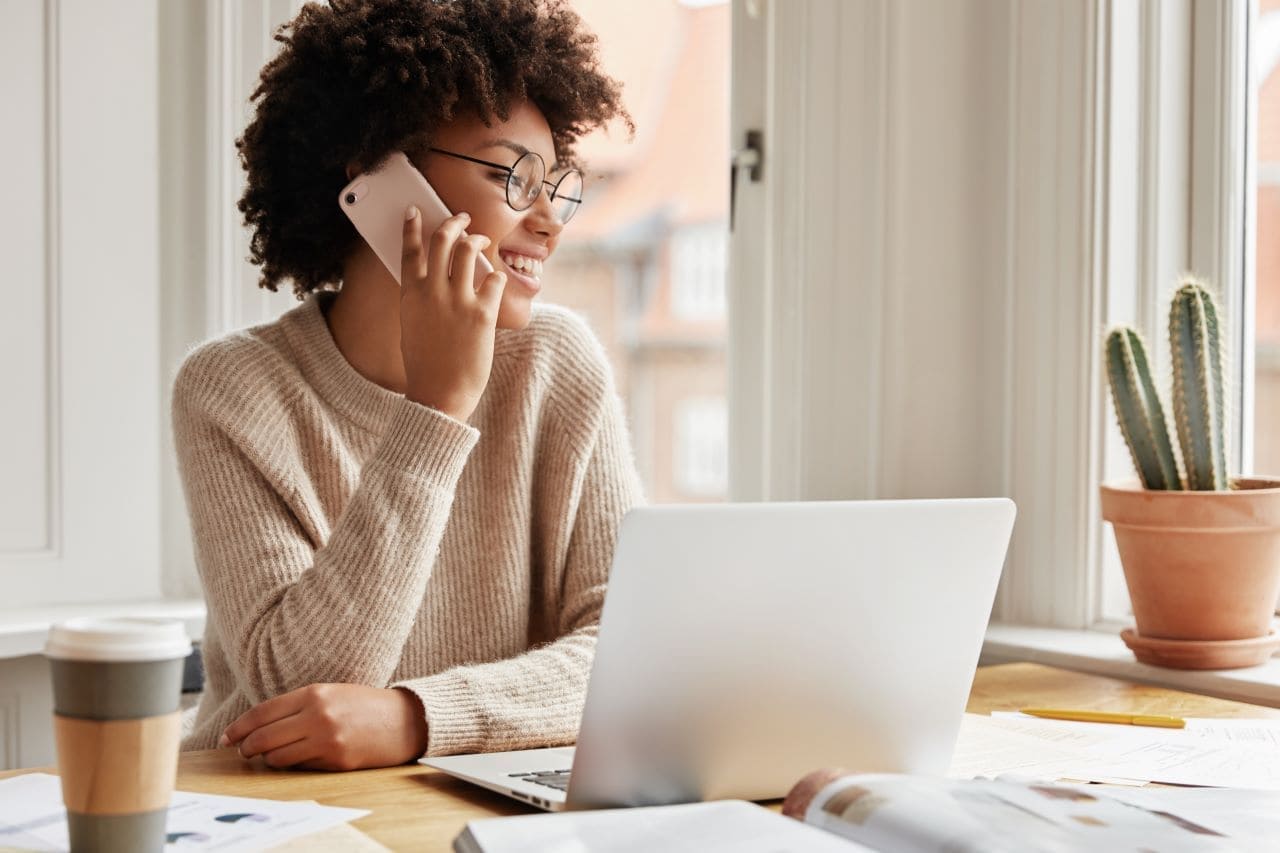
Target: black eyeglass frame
(511,170)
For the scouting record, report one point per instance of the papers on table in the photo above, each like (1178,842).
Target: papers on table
(32,817)
(1265,733)
(1218,753)
(1236,814)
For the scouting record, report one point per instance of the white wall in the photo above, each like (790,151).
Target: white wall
(80,338)
(123,249)
(79,443)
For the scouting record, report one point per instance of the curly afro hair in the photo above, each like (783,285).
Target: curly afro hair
(358,79)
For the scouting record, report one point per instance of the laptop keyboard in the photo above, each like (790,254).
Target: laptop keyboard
(558,779)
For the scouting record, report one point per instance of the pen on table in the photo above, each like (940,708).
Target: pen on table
(1107,717)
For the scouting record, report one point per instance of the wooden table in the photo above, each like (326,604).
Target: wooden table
(417,808)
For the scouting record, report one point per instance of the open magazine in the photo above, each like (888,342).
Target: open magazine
(917,814)
(831,811)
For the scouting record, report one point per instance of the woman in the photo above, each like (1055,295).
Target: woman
(404,500)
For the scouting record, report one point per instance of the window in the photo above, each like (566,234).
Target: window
(644,260)
(1214,100)
(1265,53)
(698,271)
(1195,96)
(701,451)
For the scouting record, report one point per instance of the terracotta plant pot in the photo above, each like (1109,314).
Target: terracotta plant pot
(1203,571)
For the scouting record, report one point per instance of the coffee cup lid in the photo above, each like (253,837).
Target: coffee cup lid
(124,640)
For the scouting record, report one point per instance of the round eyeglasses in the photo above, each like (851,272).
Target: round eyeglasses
(526,179)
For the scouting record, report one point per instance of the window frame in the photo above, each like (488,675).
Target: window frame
(1147,216)
(1193,65)
(1223,166)
(1173,198)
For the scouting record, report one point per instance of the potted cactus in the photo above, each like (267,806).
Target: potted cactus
(1200,549)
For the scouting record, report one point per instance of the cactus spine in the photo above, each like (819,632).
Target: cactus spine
(1139,410)
(1197,386)
(1198,396)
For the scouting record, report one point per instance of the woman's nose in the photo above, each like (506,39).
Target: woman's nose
(541,216)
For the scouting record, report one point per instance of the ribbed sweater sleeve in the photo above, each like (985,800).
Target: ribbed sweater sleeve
(291,614)
(536,699)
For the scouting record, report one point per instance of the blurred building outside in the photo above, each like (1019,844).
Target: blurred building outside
(1266,430)
(644,259)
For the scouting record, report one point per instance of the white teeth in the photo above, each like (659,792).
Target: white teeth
(523,263)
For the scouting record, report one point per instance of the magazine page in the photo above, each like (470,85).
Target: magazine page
(921,814)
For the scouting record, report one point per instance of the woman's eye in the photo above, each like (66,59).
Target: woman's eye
(502,176)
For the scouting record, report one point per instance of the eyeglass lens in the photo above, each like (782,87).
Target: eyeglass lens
(526,180)
(568,196)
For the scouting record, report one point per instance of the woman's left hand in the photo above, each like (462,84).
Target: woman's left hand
(332,727)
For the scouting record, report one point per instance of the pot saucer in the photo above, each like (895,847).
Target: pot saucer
(1201,654)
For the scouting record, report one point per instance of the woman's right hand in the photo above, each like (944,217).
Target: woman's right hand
(447,324)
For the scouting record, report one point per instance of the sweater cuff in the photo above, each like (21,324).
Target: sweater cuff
(426,443)
(455,718)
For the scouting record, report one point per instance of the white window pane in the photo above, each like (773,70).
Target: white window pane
(701,448)
(698,271)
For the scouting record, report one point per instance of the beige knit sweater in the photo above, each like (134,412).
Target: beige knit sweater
(345,534)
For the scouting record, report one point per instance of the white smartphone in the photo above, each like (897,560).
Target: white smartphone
(375,203)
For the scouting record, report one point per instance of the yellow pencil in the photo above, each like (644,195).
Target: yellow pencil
(1107,717)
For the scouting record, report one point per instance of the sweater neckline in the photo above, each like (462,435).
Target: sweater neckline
(361,400)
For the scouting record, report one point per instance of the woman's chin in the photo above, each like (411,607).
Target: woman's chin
(514,313)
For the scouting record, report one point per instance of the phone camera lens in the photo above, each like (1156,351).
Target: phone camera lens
(351,198)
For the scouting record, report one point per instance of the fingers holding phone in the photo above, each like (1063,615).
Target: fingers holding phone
(427,263)
(413,260)
(452,253)
(449,259)
(487,291)
(447,322)
(446,327)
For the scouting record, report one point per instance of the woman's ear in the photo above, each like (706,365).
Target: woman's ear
(352,170)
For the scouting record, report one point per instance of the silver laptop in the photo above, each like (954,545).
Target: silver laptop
(743,645)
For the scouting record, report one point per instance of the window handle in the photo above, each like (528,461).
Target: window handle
(750,157)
